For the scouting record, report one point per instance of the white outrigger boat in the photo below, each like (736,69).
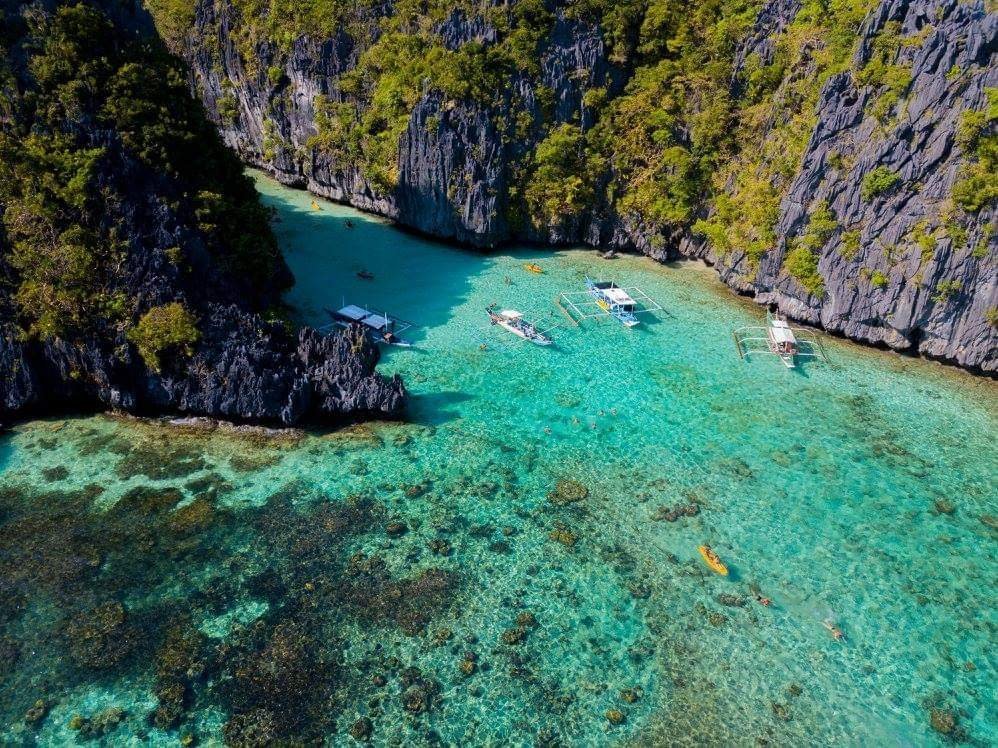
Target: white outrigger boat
(779,339)
(380,327)
(606,298)
(514,321)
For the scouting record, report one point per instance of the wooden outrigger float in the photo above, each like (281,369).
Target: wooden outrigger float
(606,299)
(779,339)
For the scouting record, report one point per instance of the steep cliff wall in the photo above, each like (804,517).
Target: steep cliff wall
(833,160)
(137,267)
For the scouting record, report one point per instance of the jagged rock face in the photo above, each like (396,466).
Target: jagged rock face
(457,169)
(906,313)
(240,367)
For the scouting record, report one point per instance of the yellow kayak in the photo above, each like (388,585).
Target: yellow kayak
(533,267)
(713,560)
(315,206)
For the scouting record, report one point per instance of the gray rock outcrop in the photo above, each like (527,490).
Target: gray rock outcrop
(457,167)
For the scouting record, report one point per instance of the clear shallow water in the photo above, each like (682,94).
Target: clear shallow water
(863,492)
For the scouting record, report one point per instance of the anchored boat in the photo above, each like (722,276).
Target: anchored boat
(782,341)
(514,321)
(380,327)
(606,298)
(779,339)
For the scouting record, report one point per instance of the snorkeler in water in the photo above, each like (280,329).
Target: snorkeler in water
(834,630)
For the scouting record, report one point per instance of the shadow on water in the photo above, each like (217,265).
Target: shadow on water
(6,448)
(437,408)
(413,278)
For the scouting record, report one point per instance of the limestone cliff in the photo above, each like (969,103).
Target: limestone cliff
(810,151)
(137,267)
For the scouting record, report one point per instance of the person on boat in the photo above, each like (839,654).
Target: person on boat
(387,336)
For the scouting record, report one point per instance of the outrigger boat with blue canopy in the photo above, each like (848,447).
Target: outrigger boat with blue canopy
(606,298)
(380,327)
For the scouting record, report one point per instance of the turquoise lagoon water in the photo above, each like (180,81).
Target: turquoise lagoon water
(861,492)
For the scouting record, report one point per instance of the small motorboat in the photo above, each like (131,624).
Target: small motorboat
(533,267)
(610,254)
(713,560)
(512,320)
(365,275)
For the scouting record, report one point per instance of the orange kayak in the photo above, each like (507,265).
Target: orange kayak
(533,267)
(713,560)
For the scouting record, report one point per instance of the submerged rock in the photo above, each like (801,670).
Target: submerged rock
(440,547)
(943,721)
(171,698)
(568,492)
(396,529)
(564,535)
(253,729)
(630,695)
(944,506)
(615,716)
(513,636)
(97,726)
(100,638)
(37,712)
(671,514)
(362,729)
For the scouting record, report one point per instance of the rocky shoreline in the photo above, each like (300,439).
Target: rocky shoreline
(881,283)
(139,272)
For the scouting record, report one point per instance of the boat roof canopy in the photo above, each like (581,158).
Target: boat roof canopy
(354,312)
(510,314)
(782,332)
(359,314)
(617,295)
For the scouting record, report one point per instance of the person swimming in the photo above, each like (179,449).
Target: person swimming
(834,630)
(763,600)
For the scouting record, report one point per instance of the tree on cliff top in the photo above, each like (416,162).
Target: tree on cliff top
(90,100)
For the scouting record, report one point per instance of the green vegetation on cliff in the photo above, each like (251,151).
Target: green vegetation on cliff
(90,100)
(678,132)
(977,182)
(164,329)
